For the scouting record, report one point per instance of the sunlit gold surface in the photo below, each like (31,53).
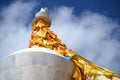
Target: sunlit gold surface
(42,36)
(89,70)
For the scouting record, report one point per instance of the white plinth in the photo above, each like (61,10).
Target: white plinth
(35,64)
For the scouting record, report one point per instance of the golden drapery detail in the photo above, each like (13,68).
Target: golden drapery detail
(42,36)
(87,70)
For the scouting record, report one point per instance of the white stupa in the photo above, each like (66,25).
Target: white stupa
(36,63)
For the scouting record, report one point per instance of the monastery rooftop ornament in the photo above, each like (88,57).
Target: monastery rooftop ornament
(42,36)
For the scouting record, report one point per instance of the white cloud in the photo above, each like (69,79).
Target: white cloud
(89,34)
(14,27)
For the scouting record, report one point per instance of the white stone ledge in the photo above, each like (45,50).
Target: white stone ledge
(35,64)
(37,49)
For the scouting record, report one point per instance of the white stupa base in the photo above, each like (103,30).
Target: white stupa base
(35,64)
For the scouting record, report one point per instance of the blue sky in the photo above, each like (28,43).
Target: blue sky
(109,8)
(90,27)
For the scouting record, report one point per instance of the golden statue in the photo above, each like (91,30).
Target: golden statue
(42,36)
